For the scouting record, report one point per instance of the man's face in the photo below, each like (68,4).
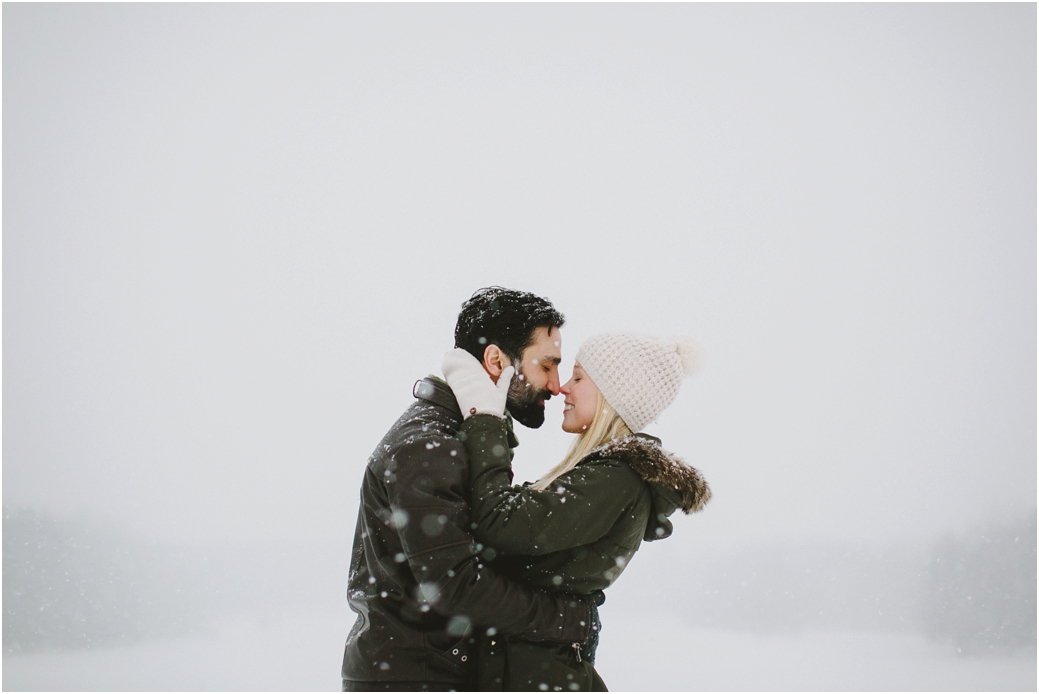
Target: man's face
(536,379)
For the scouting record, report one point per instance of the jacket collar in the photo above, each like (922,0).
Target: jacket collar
(510,430)
(657,466)
(432,389)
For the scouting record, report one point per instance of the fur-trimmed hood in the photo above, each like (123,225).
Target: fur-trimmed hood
(674,483)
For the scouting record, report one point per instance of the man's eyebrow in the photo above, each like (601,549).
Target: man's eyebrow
(552,360)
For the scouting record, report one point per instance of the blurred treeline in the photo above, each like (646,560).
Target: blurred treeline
(975,591)
(69,584)
(76,583)
(85,582)
(980,590)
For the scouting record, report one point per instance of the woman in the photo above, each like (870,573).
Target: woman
(576,528)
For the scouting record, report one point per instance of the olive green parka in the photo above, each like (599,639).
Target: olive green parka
(417,581)
(576,537)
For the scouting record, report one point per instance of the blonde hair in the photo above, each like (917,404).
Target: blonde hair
(606,426)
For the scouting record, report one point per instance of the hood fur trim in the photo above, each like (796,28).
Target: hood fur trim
(653,464)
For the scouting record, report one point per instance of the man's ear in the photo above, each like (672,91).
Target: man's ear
(495,361)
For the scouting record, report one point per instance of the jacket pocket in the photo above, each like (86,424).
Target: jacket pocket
(546,667)
(453,652)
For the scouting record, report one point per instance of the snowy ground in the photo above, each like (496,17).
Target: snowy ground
(677,658)
(301,651)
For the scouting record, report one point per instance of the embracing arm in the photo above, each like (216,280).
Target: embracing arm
(579,508)
(426,490)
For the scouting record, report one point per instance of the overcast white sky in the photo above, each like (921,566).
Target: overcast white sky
(235,235)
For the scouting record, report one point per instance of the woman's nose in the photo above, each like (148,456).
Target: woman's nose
(565,388)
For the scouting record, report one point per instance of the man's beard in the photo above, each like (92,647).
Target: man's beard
(526,404)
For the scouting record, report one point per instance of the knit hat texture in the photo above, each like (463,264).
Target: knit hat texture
(638,375)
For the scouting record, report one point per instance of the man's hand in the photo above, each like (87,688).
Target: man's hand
(475,391)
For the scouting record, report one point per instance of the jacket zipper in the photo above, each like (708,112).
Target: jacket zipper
(577,650)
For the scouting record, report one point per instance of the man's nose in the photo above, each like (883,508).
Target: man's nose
(553,385)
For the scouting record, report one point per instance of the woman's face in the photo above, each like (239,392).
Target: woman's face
(580,403)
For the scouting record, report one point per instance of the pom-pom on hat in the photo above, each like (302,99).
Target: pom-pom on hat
(638,375)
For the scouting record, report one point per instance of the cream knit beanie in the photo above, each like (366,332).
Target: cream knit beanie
(637,374)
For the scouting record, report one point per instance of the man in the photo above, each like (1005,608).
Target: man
(417,580)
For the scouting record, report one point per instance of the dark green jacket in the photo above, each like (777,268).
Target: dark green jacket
(417,581)
(577,536)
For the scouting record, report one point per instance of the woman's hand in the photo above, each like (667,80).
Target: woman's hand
(472,385)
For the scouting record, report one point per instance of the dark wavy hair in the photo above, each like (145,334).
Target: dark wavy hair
(503,317)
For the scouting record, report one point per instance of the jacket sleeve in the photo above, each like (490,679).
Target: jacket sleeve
(579,508)
(426,489)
